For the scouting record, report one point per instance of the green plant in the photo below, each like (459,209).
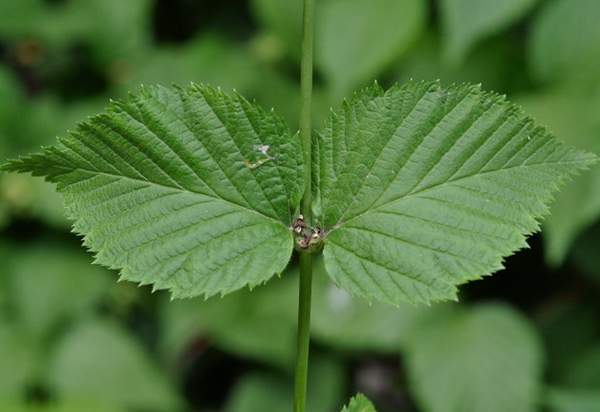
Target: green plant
(408,193)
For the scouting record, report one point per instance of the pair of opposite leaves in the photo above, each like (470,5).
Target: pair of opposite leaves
(418,188)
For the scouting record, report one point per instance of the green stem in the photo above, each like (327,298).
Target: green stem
(304,304)
(304,297)
(306,85)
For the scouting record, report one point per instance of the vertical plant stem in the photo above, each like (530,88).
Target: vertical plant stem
(306,86)
(303,331)
(305,290)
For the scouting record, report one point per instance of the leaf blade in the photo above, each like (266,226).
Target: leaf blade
(465,22)
(184,189)
(457,359)
(424,188)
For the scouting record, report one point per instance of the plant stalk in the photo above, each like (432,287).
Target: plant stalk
(306,264)
(306,88)
(304,304)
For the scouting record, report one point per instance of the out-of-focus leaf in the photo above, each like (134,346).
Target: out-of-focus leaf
(11,105)
(584,372)
(208,59)
(572,400)
(342,321)
(573,116)
(585,253)
(568,329)
(100,362)
(564,41)
(357,38)
(270,393)
(5,252)
(32,197)
(359,403)
(46,117)
(18,362)
(259,392)
(495,64)
(50,284)
(466,22)
(484,358)
(283,21)
(114,29)
(20,18)
(57,407)
(214,60)
(260,324)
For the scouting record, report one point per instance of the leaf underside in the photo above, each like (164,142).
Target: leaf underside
(190,190)
(423,188)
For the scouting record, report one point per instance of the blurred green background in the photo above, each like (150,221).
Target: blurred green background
(73,339)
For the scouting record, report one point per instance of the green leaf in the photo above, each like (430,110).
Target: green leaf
(570,400)
(41,277)
(99,362)
(487,358)
(568,329)
(190,190)
(585,254)
(210,58)
(495,64)
(12,102)
(113,29)
(17,362)
(357,39)
(283,21)
(564,41)
(22,195)
(466,22)
(423,188)
(573,115)
(57,407)
(359,403)
(584,371)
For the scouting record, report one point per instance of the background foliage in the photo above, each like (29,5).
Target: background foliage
(71,338)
